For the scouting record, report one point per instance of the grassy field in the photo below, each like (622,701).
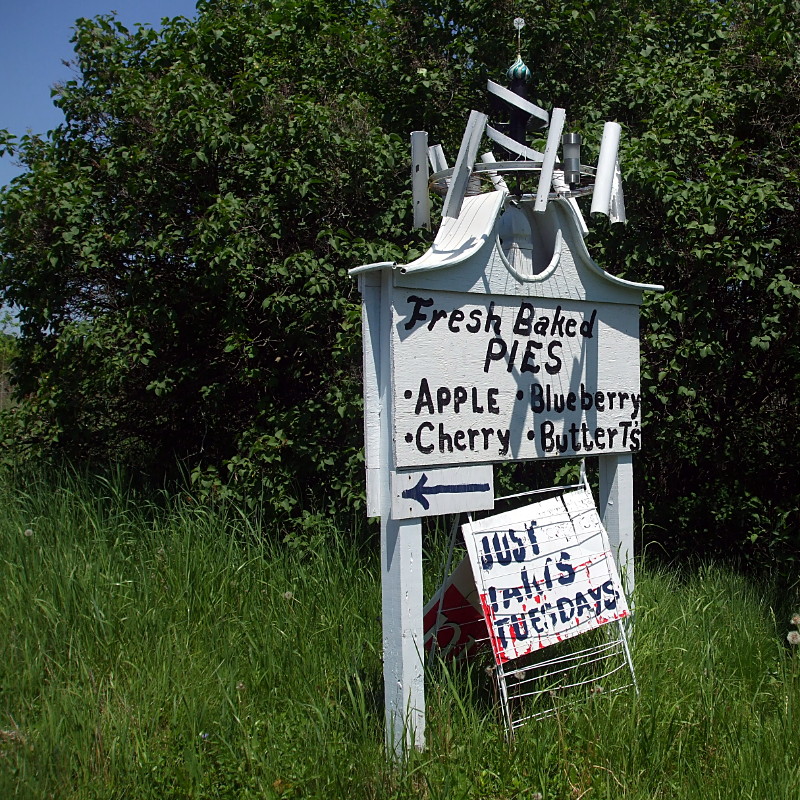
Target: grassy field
(169,651)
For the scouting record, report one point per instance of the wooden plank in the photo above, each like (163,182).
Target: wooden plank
(520,102)
(616,211)
(403,635)
(419,180)
(461,238)
(370,287)
(430,492)
(548,162)
(561,186)
(616,511)
(401,581)
(553,554)
(606,166)
(486,378)
(512,145)
(462,171)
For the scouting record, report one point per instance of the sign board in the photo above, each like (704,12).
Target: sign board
(505,341)
(454,617)
(425,493)
(504,378)
(544,573)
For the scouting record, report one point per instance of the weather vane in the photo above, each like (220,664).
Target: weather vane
(519,24)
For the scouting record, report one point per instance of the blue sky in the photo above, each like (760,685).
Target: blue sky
(35,38)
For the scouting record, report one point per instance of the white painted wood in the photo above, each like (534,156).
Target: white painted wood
(481,267)
(431,492)
(373,267)
(500,378)
(520,102)
(606,165)
(421,198)
(370,286)
(459,238)
(548,162)
(512,145)
(403,636)
(561,186)
(401,582)
(516,233)
(616,511)
(467,362)
(462,171)
(496,178)
(616,212)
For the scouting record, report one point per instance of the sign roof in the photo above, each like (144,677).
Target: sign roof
(468,256)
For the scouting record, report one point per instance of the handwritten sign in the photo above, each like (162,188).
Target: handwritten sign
(544,573)
(442,490)
(504,378)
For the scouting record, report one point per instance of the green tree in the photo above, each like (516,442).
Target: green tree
(709,92)
(178,246)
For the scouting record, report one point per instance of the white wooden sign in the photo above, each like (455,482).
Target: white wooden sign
(505,341)
(503,378)
(425,493)
(544,573)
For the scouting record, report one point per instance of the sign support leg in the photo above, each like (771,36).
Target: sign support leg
(616,511)
(401,579)
(403,678)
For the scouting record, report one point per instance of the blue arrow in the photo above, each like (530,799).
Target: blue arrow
(419,491)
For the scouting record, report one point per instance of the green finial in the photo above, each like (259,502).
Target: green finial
(518,70)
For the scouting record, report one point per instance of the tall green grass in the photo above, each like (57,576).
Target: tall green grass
(166,650)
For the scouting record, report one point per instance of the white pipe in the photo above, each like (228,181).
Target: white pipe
(606,165)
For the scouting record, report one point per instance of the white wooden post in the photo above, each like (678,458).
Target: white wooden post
(616,511)
(548,162)
(403,679)
(401,580)
(462,171)
(419,180)
(370,286)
